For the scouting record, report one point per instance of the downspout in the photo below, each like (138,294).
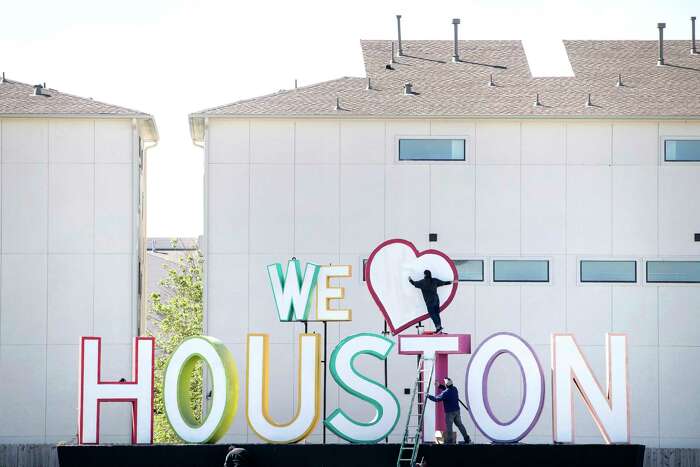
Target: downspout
(143,260)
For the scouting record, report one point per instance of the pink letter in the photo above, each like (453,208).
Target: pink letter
(435,348)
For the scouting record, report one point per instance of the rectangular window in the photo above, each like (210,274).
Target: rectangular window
(680,150)
(470,270)
(364,265)
(681,272)
(433,149)
(608,271)
(521,270)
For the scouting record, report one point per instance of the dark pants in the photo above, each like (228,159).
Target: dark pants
(454,417)
(434,312)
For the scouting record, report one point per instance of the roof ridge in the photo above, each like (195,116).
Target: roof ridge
(74,96)
(276,93)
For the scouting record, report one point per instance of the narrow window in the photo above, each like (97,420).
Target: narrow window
(682,150)
(608,271)
(521,270)
(680,272)
(470,270)
(433,149)
(364,265)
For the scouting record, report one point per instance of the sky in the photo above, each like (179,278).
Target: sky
(173,57)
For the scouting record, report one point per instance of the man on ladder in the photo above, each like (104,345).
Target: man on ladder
(450,402)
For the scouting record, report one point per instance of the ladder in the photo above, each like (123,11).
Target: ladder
(414,422)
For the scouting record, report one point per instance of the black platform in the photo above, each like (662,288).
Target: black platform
(342,455)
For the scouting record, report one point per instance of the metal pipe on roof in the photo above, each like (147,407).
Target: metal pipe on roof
(661,27)
(693,50)
(455,53)
(398,26)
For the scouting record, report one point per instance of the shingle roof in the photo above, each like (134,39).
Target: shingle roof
(446,89)
(18,100)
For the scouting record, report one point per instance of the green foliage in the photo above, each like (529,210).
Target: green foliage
(176,313)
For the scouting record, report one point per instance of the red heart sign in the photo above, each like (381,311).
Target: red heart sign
(387,271)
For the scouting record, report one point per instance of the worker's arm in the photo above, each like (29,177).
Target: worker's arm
(441,283)
(415,284)
(437,398)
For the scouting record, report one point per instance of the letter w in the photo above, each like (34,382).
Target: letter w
(292,292)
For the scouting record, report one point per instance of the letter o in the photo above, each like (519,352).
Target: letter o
(477,388)
(176,381)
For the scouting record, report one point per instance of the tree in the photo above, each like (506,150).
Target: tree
(176,313)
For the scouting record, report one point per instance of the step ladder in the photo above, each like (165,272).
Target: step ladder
(408,453)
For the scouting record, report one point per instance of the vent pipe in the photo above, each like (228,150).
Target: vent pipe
(455,53)
(2,79)
(408,89)
(693,50)
(491,82)
(537,103)
(589,102)
(337,104)
(398,26)
(369,83)
(619,83)
(661,27)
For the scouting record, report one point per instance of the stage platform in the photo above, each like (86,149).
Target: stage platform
(345,455)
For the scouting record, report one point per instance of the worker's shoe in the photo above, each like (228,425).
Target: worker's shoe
(466,441)
(439,330)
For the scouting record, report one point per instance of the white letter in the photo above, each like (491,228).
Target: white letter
(258,390)
(325,293)
(176,388)
(609,410)
(138,392)
(477,388)
(385,404)
(292,292)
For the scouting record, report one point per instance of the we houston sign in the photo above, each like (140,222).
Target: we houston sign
(294,288)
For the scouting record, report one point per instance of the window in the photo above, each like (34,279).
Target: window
(431,149)
(364,265)
(608,271)
(680,150)
(470,270)
(681,272)
(524,270)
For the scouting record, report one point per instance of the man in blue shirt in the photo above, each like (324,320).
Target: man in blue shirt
(450,402)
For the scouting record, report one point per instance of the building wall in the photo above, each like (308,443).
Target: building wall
(328,190)
(69,211)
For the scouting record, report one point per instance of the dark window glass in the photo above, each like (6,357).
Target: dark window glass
(608,271)
(470,270)
(521,270)
(431,149)
(681,272)
(679,150)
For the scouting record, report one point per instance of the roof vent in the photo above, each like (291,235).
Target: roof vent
(39,90)
(455,53)
(337,104)
(369,83)
(296,84)
(398,27)
(693,50)
(2,78)
(619,83)
(408,89)
(661,27)
(589,102)
(537,101)
(491,82)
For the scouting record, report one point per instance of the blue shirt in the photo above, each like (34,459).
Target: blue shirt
(449,398)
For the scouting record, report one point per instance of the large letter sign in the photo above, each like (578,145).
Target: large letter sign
(610,410)
(222,370)
(435,349)
(258,390)
(385,404)
(292,291)
(94,392)
(325,293)
(477,388)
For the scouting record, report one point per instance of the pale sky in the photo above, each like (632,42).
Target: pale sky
(173,57)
